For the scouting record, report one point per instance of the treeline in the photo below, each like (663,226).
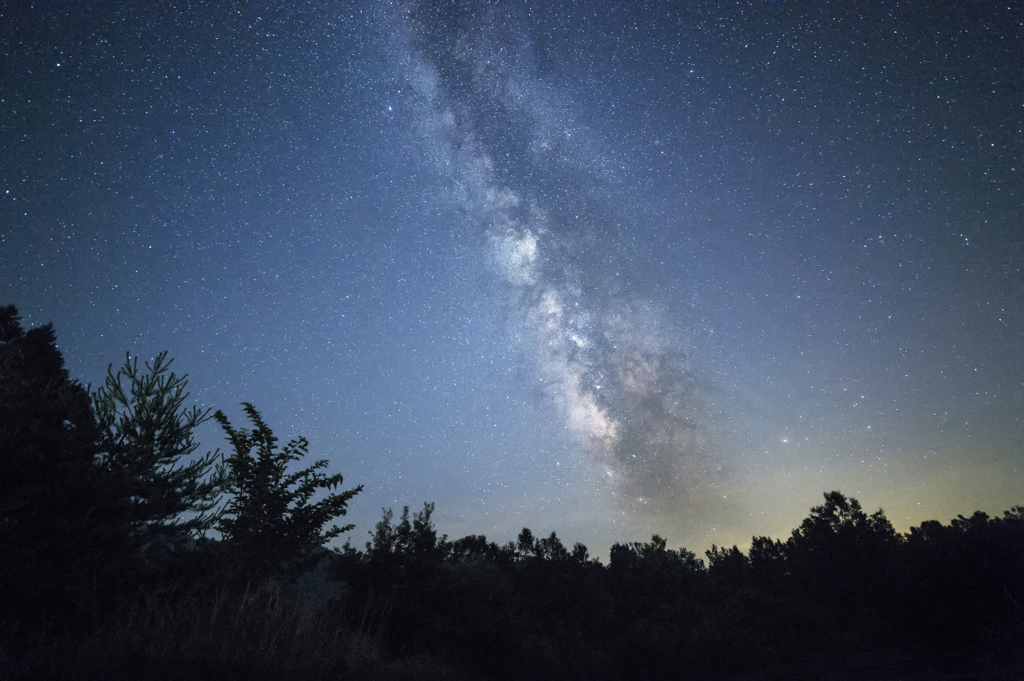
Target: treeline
(105,504)
(106,569)
(844,594)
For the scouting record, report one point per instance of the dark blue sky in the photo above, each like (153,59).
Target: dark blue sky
(586,268)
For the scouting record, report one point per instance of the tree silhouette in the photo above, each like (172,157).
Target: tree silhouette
(728,567)
(837,557)
(271,518)
(412,537)
(51,502)
(146,440)
(838,538)
(965,581)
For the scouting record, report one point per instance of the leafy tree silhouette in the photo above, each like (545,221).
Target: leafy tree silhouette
(768,563)
(836,559)
(838,543)
(412,536)
(51,502)
(728,568)
(271,518)
(964,582)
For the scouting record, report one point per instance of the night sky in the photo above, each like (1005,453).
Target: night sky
(586,268)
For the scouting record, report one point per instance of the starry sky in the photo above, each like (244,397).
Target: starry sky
(585,267)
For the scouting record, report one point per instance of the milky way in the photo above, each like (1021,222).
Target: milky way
(601,269)
(603,357)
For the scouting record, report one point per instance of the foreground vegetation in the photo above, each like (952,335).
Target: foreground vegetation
(106,572)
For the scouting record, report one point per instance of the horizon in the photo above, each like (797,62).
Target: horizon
(675,272)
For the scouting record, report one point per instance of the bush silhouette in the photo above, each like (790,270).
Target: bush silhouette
(271,518)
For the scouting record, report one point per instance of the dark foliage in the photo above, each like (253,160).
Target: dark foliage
(103,505)
(146,448)
(844,596)
(94,494)
(51,504)
(271,517)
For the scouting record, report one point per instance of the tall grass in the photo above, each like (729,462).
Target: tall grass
(264,631)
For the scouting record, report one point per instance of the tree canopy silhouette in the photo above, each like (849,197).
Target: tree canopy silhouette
(271,516)
(51,502)
(146,441)
(88,486)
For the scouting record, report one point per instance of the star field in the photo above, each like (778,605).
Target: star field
(607,271)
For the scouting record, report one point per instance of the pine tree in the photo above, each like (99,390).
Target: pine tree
(147,446)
